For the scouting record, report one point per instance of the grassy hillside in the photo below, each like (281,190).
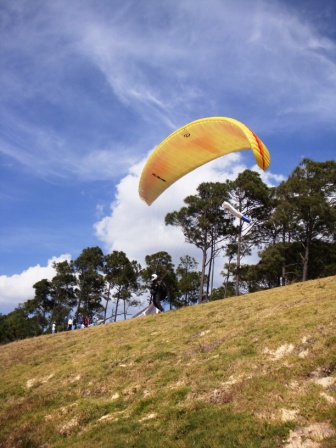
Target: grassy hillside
(254,371)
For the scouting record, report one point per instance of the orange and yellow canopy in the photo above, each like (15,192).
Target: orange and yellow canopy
(194,145)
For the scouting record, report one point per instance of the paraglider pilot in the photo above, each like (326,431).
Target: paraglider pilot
(158,292)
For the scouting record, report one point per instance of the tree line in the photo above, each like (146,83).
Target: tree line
(292,228)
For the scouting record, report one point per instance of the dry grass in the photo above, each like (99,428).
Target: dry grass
(254,371)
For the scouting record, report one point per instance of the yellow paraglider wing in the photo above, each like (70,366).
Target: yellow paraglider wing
(194,145)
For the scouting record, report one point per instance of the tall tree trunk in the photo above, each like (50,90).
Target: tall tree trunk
(212,263)
(283,270)
(306,261)
(116,310)
(283,274)
(209,274)
(124,309)
(107,300)
(202,276)
(212,276)
(226,282)
(238,259)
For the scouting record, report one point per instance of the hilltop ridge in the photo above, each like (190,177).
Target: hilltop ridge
(254,371)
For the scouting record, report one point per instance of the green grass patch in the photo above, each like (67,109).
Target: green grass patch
(239,372)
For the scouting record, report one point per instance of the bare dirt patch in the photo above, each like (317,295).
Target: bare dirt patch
(280,352)
(37,381)
(310,436)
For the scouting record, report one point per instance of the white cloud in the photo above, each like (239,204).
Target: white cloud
(139,230)
(166,65)
(18,288)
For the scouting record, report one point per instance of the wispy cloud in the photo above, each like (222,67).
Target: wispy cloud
(160,64)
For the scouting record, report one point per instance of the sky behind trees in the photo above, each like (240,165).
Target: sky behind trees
(89,88)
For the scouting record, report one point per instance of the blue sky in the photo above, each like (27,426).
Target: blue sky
(90,87)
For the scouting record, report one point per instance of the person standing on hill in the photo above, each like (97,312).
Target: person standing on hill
(80,323)
(158,292)
(70,323)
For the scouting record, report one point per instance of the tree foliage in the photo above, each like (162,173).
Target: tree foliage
(203,225)
(293,229)
(121,278)
(188,280)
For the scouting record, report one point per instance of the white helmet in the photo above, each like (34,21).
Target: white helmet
(154,277)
